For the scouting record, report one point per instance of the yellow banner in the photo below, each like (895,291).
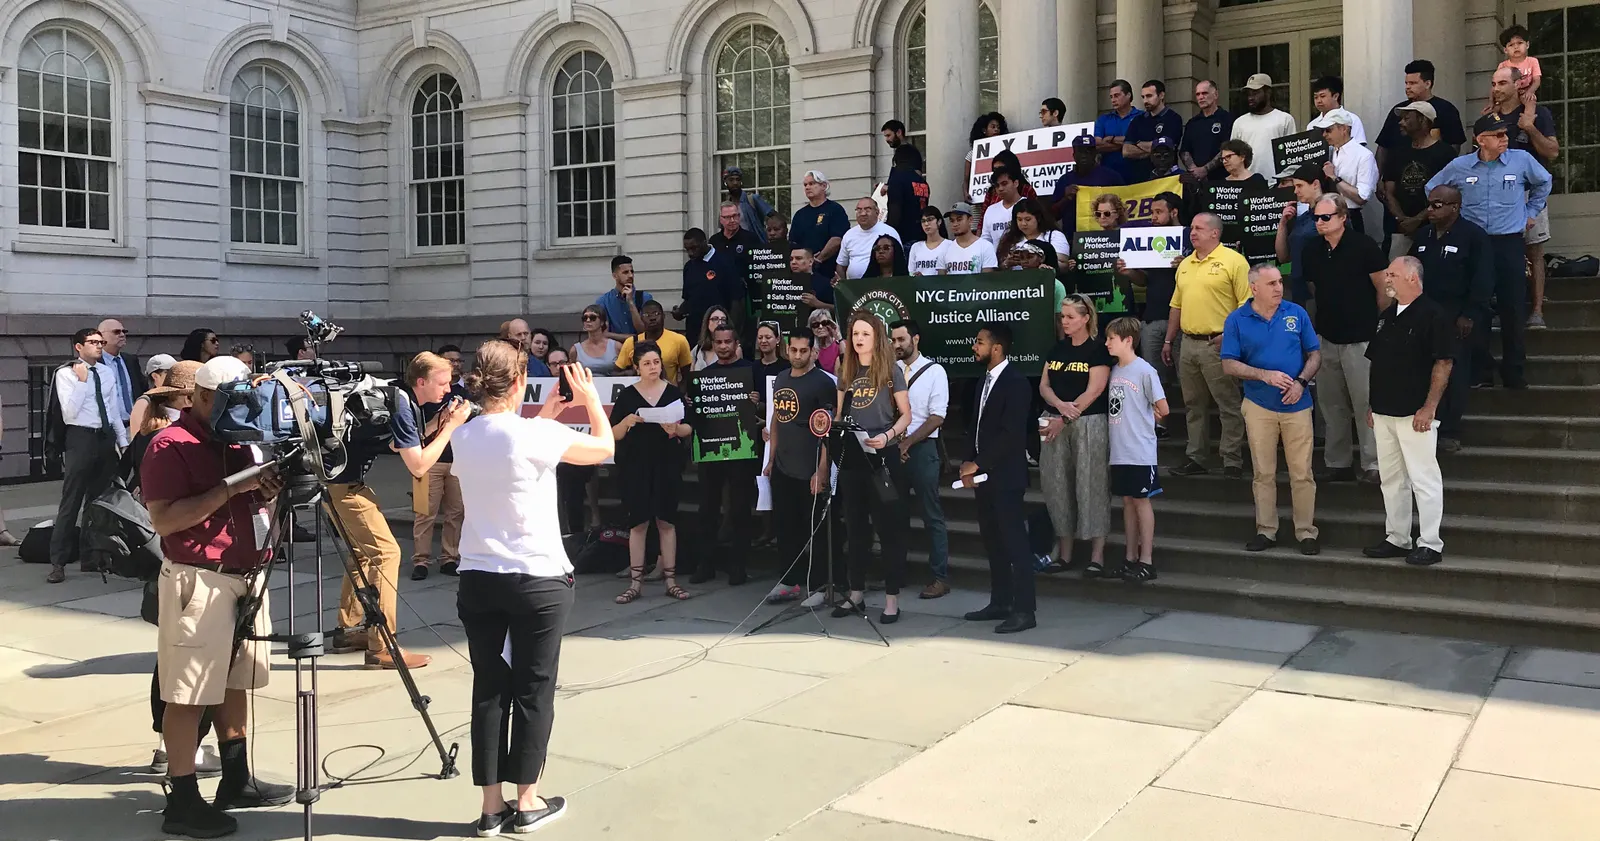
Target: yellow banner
(1135,197)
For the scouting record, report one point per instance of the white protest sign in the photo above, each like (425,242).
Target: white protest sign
(1045,153)
(1151,248)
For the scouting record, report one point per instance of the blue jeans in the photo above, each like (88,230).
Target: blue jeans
(922,470)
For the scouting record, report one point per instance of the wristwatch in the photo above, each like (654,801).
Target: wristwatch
(1303,382)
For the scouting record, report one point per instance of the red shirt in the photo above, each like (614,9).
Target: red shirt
(183,461)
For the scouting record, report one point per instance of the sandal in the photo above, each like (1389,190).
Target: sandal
(673,590)
(1094,570)
(1136,572)
(635,586)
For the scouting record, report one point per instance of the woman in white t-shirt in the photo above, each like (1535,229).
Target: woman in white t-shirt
(516,580)
(927,257)
(1031,222)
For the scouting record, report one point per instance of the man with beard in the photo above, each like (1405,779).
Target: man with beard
(798,468)
(1156,122)
(1406,172)
(753,209)
(1264,124)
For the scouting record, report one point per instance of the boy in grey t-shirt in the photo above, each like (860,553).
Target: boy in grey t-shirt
(1136,403)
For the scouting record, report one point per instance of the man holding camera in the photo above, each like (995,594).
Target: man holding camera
(361,520)
(214,534)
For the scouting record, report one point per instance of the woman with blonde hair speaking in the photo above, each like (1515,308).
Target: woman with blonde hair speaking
(516,580)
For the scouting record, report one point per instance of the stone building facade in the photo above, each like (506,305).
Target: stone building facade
(419,170)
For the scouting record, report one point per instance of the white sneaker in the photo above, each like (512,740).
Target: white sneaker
(207,762)
(815,599)
(780,593)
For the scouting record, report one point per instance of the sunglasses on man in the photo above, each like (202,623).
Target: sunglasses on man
(1326,217)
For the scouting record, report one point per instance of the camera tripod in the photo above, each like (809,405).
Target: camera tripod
(305,494)
(837,437)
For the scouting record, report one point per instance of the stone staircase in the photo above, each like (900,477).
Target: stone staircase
(1521,528)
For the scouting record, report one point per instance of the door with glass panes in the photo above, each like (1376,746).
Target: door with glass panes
(1294,60)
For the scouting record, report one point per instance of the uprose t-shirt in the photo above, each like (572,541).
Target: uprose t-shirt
(506,464)
(974,258)
(924,260)
(996,220)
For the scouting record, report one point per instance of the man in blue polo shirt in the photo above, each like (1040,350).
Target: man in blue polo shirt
(1111,128)
(1269,344)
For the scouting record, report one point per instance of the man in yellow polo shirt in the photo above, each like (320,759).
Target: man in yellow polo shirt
(1212,282)
(676,357)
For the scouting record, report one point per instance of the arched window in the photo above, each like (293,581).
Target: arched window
(264,158)
(752,81)
(583,144)
(916,65)
(438,163)
(65,154)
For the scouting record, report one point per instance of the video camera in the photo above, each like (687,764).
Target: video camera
(313,416)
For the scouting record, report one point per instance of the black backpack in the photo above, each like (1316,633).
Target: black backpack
(117,535)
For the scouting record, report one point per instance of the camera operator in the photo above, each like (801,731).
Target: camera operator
(213,536)
(372,544)
(516,580)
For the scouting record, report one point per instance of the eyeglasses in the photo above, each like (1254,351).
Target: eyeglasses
(213,341)
(1326,217)
(822,323)
(1439,204)
(119,332)
(96,342)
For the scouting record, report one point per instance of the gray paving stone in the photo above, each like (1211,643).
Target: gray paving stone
(1160,814)
(1063,634)
(831,825)
(1156,682)
(1554,665)
(747,781)
(1022,774)
(1538,731)
(1226,632)
(1486,807)
(1402,669)
(944,690)
(1347,759)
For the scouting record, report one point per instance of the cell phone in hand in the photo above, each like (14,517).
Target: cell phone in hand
(564,386)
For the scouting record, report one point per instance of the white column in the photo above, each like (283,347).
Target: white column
(1139,51)
(1028,39)
(1377,46)
(1078,59)
(1443,41)
(952,27)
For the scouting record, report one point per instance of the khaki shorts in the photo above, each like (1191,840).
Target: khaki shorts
(1540,232)
(195,640)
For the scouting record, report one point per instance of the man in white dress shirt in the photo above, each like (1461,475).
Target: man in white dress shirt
(855,249)
(1353,168)
(96,431)
(928,386)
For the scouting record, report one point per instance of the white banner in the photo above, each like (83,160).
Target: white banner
(1152,248)
(541,389)
(1045,153)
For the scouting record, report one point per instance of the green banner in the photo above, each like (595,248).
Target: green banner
(949,309)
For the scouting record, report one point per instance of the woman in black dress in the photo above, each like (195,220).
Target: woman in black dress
(650,461)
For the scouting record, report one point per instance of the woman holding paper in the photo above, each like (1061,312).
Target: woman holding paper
(650,458)
(872,394)
(516,580)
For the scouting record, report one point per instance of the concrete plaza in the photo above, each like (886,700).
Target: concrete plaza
(1108,722)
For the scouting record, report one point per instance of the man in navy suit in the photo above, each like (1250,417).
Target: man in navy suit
(1004,410)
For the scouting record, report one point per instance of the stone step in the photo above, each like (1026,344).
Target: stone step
(1473,463)
(1570,289)
(1575,341)
(1573,313)
(1543,400)
(1521,500)
(1563,370)
(1533,431)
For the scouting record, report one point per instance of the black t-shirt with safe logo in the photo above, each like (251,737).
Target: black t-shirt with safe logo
(794,399)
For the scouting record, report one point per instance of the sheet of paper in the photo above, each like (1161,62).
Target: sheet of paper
(505,653)
(861,439)
(763,493)
(670,413)
(976,480)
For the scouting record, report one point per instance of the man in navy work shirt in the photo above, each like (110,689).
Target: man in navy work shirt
(1086,172)
(1269,344)
(1154,122)
(1201,147)
(1457,274)
(1411,360)
(711,278)
(1503,191)
(819,226)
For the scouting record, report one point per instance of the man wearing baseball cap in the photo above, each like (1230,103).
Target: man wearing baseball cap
(1086,172)
(968,253)
(1262,125)
(211,543)
(1406,170)
(1351,167)
(753,209)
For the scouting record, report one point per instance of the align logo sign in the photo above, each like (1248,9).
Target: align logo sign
(1167,245)
(1147,248)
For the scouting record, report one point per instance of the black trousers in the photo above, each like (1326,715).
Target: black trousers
(859,495)
(1510,303)
(88,465)
(795,512)
(740,478)
(1454,404)
(572,493)
(513,707)
(1003,524)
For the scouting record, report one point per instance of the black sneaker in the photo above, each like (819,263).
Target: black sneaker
(1310,546)
(419,572)
(1233,472)
(1385,550)
(528,821)
(345,640)
(449,568)
(489,826)
(1189,468)
(1336,474)
(1260,543)
(189,815)
(1449,446)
